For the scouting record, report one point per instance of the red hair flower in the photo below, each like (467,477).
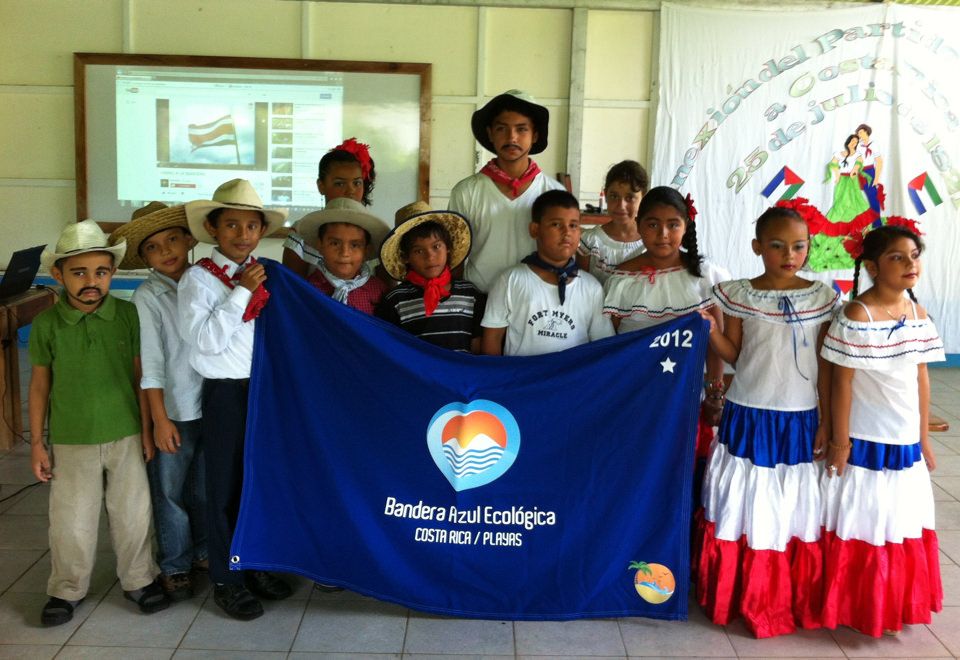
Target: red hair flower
(912,225)
(360,151)
(815,220)
(691,209)
(854,244)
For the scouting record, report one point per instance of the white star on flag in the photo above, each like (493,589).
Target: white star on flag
(668,365)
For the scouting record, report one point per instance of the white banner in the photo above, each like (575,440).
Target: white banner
(848,108)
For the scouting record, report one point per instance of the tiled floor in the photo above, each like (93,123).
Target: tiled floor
(311,624)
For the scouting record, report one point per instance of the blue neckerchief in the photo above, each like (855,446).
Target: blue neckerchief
(563,273)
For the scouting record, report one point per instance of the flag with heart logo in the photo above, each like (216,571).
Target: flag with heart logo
(555,486)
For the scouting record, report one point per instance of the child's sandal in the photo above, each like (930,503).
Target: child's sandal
(150,599)
(58,611)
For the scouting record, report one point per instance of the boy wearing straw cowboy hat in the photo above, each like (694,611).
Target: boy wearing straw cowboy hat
(85,356)
(219,299)
(346,234)
(497,199)
(160,240)
(428,303)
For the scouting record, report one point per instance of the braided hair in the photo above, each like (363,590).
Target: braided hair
(667,196)
(875,243)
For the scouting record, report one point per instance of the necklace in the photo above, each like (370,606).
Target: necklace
(898,317)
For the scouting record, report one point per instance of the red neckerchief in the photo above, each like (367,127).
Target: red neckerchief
(494,172)
(433,291)
(260,294)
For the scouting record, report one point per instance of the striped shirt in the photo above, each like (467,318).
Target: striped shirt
(454,323)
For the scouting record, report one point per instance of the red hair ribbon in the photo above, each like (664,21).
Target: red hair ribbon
(691,209)
(361,152)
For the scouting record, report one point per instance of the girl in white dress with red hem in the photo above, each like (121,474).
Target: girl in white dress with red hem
(760,556)
(881,558)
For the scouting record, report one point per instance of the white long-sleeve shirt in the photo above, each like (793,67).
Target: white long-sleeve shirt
(164,356)
(211,321)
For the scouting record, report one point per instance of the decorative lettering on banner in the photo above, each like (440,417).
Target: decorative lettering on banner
(803,88)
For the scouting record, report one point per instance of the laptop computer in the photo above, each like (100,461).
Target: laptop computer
(21,272)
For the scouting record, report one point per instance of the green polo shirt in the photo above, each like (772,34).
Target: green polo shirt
(92,396)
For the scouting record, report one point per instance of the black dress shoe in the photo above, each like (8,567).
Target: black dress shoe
(237,601)
(267,585)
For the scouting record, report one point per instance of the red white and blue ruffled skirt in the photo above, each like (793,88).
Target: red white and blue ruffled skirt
(881,559)
(760,555)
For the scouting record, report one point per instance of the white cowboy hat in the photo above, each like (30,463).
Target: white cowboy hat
(234,194)
(80,238)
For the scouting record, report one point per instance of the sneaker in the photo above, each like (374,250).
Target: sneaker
(237,601)
(177,586)
(266,585)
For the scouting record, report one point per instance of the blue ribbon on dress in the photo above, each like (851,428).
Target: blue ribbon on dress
(793,318)
(902,322)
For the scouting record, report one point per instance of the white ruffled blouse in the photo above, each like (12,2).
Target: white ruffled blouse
(885,392)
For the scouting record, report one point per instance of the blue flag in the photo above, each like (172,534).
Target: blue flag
(555,486)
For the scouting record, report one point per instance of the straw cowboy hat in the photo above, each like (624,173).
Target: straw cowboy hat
(343,209)
(525,104)
(415,214)
(147,210)
(143,226)
(80,238)
(234,194)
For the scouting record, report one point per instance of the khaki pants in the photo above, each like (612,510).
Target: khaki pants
(83,476)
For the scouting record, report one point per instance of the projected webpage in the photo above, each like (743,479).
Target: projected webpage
(179,136)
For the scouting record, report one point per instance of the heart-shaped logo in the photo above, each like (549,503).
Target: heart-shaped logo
(473,443)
